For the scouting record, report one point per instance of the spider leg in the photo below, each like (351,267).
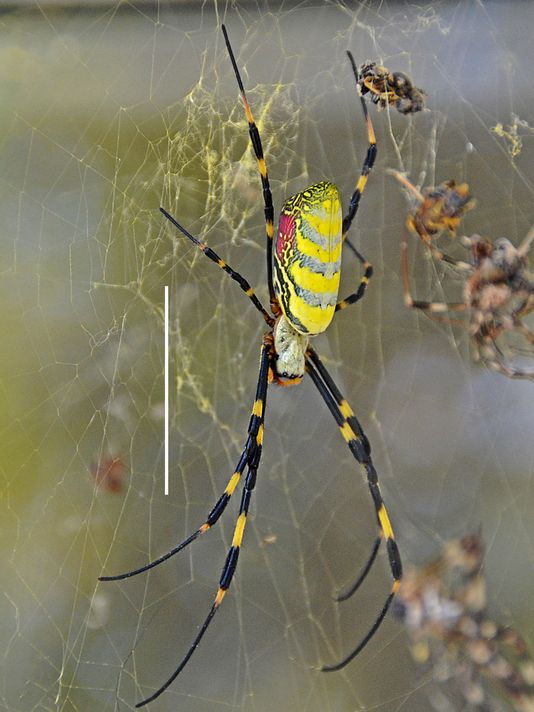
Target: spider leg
(432,307)
(417,227)
(527,333)
(485,339)
(247,456)
(410,187)
(367,164)
(342,404)
(466,242)
(490,353)
(256,426)
(355,200)
(258,151)
(351,590)
(214,257)
(515,643)
(353,422)
(524,247)
(361,453)
(524,309)
(359,293)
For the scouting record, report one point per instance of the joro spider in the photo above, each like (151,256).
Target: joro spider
(303,272)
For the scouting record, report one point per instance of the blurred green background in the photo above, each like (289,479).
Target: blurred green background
(110,110)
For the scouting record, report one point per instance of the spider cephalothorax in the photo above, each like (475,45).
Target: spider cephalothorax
(434,210)
(442,208)
(289,348)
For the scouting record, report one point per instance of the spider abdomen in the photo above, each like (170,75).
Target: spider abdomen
(307,257)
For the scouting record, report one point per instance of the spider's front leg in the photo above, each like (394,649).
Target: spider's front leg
(255,139)
(368,161)
(354,203)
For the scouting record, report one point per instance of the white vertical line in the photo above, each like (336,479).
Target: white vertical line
(166,490)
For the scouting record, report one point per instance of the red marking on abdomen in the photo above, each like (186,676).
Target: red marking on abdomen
(285,236)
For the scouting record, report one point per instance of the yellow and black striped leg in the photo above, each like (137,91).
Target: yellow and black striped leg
(258,151)
(356,196)
(246,456)
(367,164)
(342,404)
(214,257)
(253,461)
(341,413)
(359,293)
(357,428)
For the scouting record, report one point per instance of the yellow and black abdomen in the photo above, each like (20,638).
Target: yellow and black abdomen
(307,257)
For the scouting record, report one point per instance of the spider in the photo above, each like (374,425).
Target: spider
(498,292)
(303,271)
(443,606)
(436,210)
(390,89)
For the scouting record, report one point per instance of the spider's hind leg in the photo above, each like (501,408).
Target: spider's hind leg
(255,430)
(358,444)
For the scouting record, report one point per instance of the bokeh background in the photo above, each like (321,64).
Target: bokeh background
(109,110)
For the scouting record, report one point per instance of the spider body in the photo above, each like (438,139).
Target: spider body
(307,257)
(303,272)
(437,209)
(441,209)
(498,294)
(390,88)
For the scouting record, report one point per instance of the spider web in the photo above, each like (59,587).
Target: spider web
(113,109)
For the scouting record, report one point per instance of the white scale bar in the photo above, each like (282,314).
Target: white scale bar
(166,490)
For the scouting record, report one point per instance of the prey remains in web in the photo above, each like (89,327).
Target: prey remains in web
(387,88)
